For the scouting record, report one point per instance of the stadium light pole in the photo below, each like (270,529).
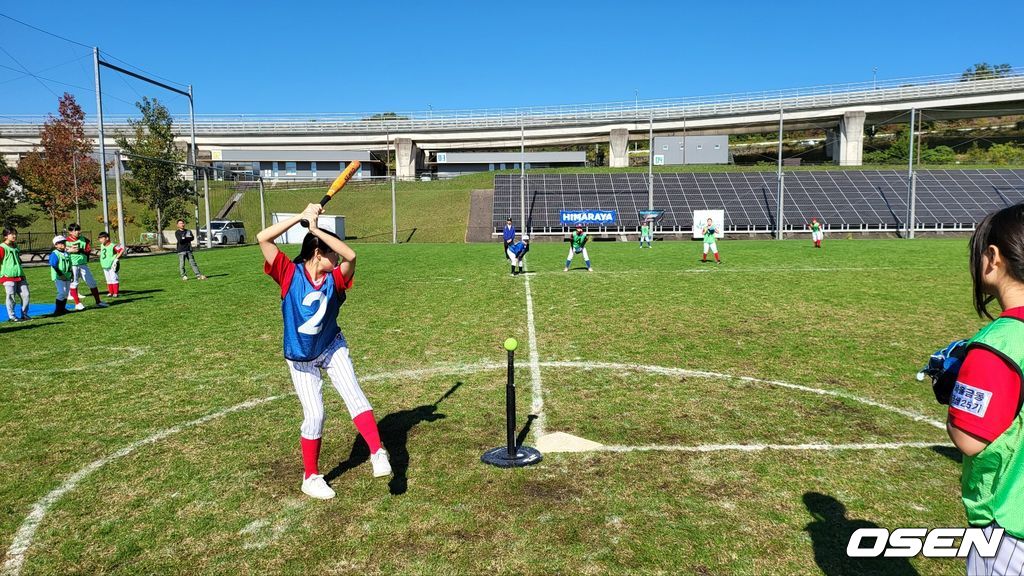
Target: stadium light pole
(910,178)
(650,164)
(778,212)
(103,149)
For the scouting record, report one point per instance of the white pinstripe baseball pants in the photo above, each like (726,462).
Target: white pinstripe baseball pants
(309,381)
(1009,558)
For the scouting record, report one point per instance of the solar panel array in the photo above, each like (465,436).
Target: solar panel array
(842,199)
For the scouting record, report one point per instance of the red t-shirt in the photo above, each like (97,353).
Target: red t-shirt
(283,269)
(987,392)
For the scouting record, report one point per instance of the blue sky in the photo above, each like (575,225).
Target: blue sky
(307,57)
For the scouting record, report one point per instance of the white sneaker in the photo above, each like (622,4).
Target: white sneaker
(316,487)
(102,305)
(79,306)
(381,464)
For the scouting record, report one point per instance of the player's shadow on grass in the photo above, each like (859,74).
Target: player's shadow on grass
(949,452)
(394,435)
(9,327)
(830,534)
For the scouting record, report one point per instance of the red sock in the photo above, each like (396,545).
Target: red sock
(367,427)
(112,289)
(74,296)
(704,258)
(310,455)
(717,259)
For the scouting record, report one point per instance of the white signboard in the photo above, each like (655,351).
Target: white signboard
(442,157)
(659,159)
(295,234)
(700,220)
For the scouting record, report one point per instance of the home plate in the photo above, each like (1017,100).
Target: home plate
(562,442)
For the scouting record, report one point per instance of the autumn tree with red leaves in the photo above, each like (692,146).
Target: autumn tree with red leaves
(52,174)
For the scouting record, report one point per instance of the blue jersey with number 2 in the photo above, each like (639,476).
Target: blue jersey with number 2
(310,311)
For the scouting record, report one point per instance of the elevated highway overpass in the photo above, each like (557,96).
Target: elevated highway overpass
(842,109)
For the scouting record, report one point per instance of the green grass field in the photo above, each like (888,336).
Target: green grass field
(116,393)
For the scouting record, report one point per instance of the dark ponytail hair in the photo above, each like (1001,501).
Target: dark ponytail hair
(311,243)
(1005,230)
(7,231)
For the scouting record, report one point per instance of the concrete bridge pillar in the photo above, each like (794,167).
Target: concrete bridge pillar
(851,138)
(832,144)
(407,158)
(619,140)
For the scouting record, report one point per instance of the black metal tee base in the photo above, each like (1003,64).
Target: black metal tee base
(523,456)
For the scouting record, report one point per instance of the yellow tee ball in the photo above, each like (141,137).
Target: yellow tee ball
(511,344)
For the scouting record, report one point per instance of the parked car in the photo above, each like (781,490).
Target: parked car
(225,232)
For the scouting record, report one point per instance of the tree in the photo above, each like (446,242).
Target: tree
(12,192)
(52,176)
(154,163)
(986,71)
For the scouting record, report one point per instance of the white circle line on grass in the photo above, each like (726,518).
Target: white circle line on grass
(26,532)
(684,372)
(15,557)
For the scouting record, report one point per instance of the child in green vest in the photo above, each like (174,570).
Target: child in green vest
(984,393)
(110,261)
(60,273)
(78,250)
(645,233)
(817,232)
(12,276)
(710,244)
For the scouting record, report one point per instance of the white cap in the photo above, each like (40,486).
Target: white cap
(526,238)
(58,239)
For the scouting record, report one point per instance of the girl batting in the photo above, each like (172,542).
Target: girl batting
(984,393)
(12,276)
(312,291)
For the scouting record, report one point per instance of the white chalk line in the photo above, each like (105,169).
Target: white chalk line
(719,376)
(537,404)
(820,447)
(119,356)
(15,557)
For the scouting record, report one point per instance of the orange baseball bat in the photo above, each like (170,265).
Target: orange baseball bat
(338,184)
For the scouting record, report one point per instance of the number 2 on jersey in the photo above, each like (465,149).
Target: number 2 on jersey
(312,326)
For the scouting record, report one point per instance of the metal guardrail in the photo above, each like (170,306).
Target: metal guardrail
(814,97)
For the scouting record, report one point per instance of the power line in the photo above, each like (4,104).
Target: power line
(45,31)
(26,70)
(72,61)
(107,54)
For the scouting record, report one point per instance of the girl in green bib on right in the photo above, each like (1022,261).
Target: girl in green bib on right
(984,420)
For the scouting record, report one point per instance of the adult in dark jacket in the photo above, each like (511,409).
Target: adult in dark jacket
(185,237)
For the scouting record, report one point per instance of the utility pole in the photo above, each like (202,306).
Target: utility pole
(650,165)
(778,212)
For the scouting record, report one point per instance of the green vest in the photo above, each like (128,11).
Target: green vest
(63,271)
(82,257)
(993,480)
(645,229)
(10,267)
(709,234)
(578,240)
(815,227)
(107,255)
